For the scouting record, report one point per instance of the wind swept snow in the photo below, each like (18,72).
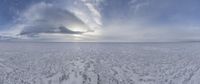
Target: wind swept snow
(99,63)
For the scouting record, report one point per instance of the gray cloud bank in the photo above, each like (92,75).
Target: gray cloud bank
(31,31)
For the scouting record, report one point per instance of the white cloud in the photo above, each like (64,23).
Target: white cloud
(49,18)
(87,10)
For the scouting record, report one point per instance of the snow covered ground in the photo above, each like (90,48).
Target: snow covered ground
(99,63)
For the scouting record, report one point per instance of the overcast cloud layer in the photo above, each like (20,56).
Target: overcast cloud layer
(100,20)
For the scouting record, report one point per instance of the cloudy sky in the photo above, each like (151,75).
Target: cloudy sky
(100,20)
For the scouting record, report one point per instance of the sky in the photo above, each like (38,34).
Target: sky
(100,20)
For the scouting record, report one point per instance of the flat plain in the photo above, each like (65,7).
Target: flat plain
(100,63)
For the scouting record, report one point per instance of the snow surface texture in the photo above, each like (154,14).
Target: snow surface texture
(99,63)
